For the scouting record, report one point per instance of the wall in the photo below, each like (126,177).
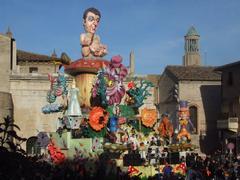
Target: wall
(231,93)
(5,60)
(205,95)
(29,96)
(43,68)
(191,59)
(167,103)
(6,105)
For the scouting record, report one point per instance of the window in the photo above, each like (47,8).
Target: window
(230,79)
(193,118)
(32,146)
(33,70)
(231,109)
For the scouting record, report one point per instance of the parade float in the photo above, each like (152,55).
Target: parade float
(101,113)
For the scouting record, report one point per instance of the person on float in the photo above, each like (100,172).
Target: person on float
(91,45)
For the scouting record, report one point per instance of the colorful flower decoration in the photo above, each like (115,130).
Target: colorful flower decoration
(149,117)
(51,108)
(132,170)
(165,128)
(131,85)
(56,154)
(181,168)
(58,88)
(109,85)
(43,139)
(137,93)
(98,118)
(113,124)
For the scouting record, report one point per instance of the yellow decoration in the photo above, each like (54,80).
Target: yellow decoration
(149,171)
(183,121)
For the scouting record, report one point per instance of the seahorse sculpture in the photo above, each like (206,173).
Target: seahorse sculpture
(58,87)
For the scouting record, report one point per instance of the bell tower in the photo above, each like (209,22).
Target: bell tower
(192,55)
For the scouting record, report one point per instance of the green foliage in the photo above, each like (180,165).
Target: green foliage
(9,139)
(140,92)
(145,130)
(101,91)
(144,178)
(125,111)
(92,133)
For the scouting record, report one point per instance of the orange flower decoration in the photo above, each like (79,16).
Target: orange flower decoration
(98,118)
(149,117)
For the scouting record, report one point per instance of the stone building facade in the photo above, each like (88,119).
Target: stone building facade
(228,122)
(29,96)
(200,86)
(7,55)
(24,85)
(28,87)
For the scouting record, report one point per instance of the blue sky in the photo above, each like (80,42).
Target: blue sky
(153,29)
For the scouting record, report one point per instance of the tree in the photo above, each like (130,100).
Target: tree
(9,140)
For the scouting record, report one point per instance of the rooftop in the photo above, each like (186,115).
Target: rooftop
(192,32)
(226,66)
(29,56)
(194,73)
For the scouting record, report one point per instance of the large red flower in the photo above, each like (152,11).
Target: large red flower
(56,154)
(98,118)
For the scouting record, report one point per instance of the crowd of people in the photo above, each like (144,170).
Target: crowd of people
(219,166)
(18,166)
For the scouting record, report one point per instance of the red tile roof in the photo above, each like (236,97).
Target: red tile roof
(194,73)
(29,56)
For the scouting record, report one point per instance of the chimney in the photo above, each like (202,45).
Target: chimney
(132,64)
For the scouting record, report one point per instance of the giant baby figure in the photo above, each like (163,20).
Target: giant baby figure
(91,45)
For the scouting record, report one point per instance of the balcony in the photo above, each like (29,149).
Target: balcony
(230,123)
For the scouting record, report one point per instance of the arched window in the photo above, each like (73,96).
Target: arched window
(32,146)
(193,119)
